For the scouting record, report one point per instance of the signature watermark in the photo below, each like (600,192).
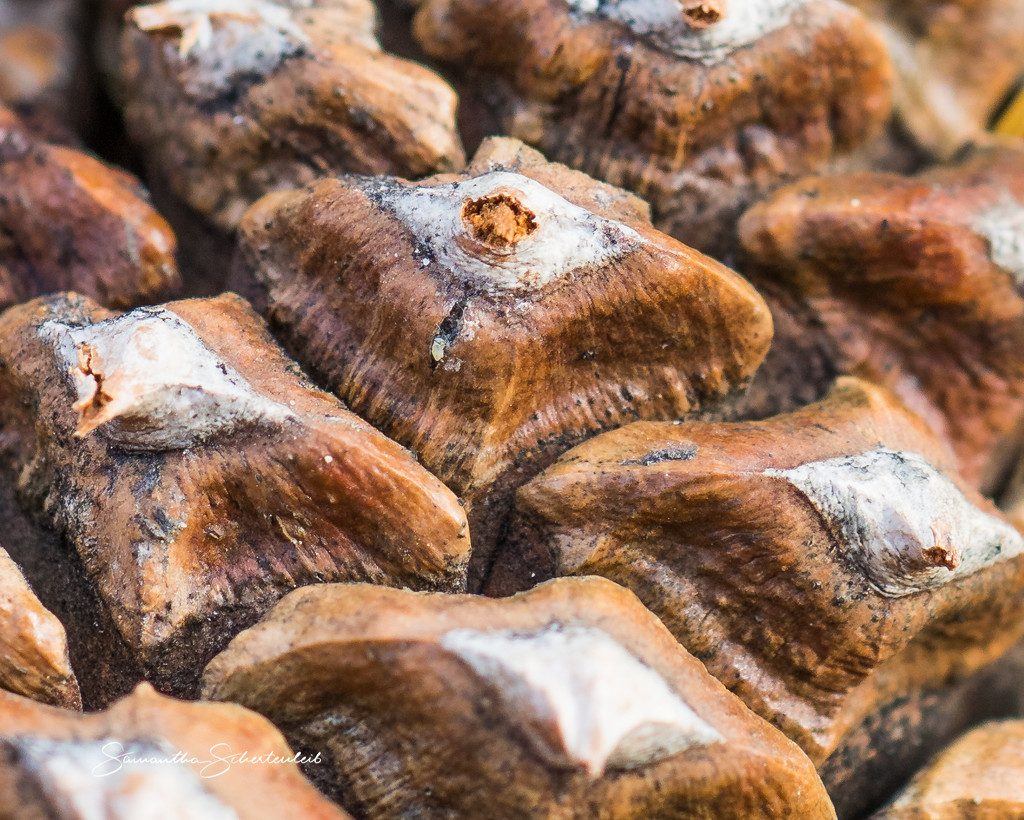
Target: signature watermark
(219,761)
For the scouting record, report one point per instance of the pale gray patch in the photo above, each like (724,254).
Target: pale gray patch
(896,515)
(225,43)
(662,23)
(239,54)
(609,710)
(152,384)
(1003,227)
(567,238)
(84,781)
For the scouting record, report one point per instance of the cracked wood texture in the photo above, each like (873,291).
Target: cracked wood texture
(200,477)
(569,701)
(701,122)
(822,564)
(486,346)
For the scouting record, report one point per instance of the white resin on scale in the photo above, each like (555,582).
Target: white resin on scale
(663,23)
(566,238)
(904,524)
(149,382)
(111,780)
(609,710)
(194,19)
(1003,227)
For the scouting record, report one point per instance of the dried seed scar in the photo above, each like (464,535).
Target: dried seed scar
(504,231)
